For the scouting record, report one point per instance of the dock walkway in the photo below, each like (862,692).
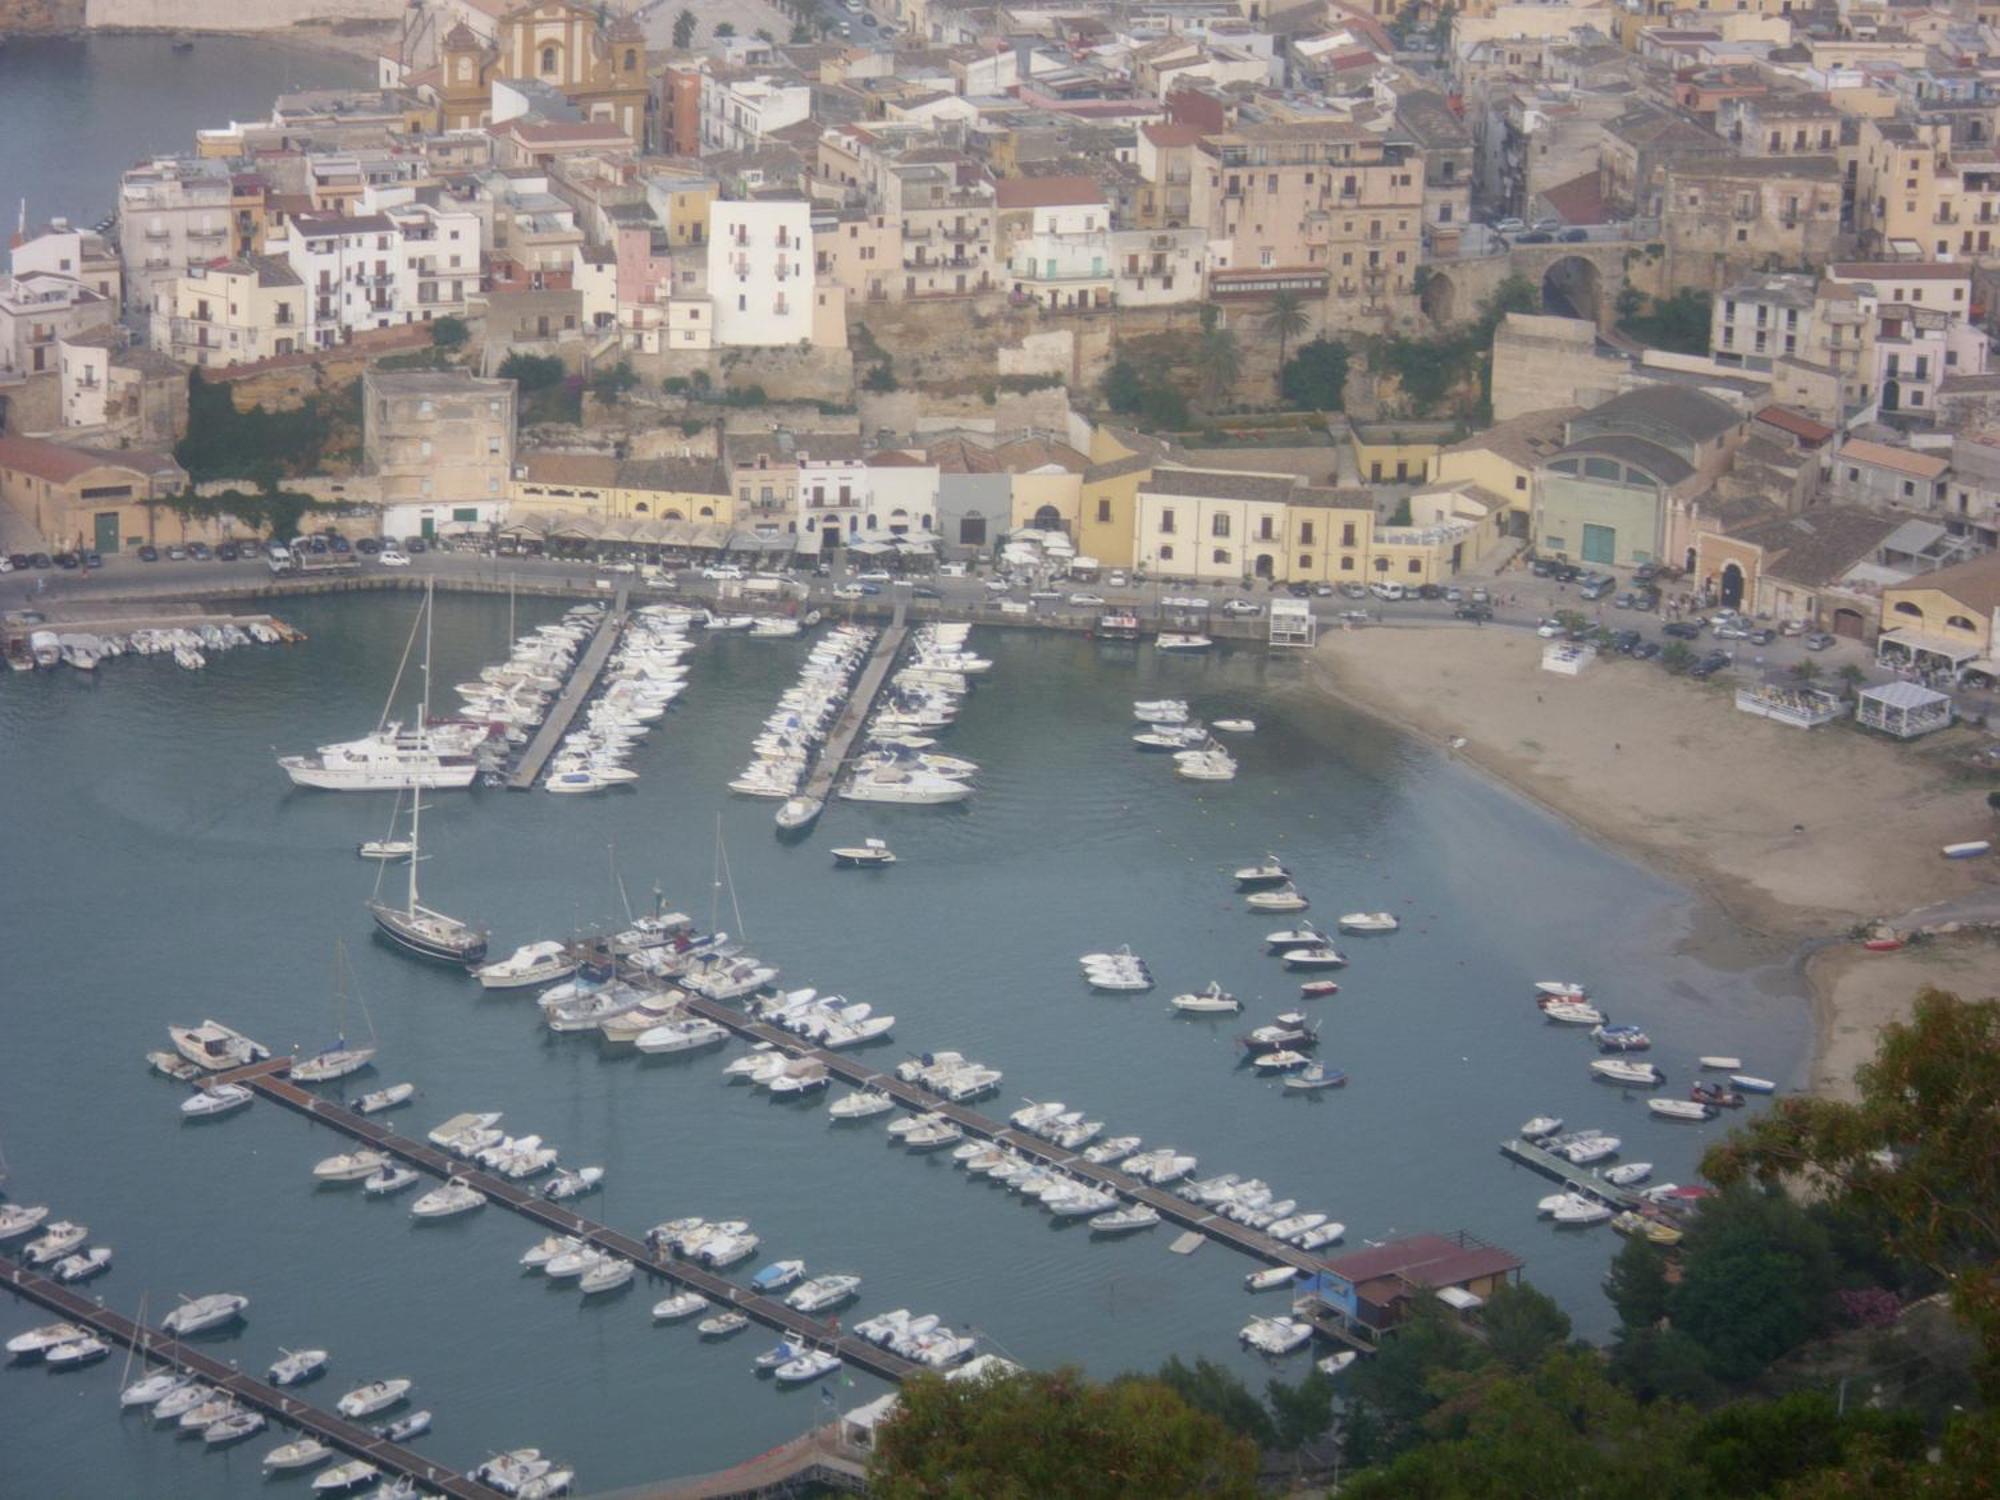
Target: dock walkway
(1570,1175)
(860,703)
(163,1348)
(1170,1206)
(555,1218)
(528,770)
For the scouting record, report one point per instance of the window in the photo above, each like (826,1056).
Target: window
(1222,557)
(1904,607)
(1347,564)
(548,59)
(1909,489)
(1305,561)
(1103,511)
(1218,526)
(1520,481)
(1166,554)
(1416,565)
(1347,533)
(1166,523)
(1305,535)
(1959,622)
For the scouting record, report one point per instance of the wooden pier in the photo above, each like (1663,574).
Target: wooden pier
(392,1459)
(1170,1206)
(860,703)
(582,678)
(555,1218)
(1568,1173)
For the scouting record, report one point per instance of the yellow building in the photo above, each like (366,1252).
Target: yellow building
(92,498)
(1388,453)
(1218,526)
(1502,459)
(1943,621)
(661,489)
(598,64)
(232,312)
(1045,482)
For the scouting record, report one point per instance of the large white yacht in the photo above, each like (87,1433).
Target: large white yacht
(216,1047)
(391,758)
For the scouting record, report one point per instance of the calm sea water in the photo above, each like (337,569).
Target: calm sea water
(76,113)
(160,869)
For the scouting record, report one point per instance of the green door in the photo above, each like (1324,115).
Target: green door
(1600,544)
(429,528)
(106,524)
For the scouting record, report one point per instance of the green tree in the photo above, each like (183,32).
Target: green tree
(1316,377)
(1851,676)
(1285,319)
(802,34)
(1756,1447)
(612,382)
(881,377)
(685,26)
(1678,322)
(1301,1413)
(1805,669)
(1637,1283)
(725,29)
(1523,1326)
(1914,1153)
(1390,1394)
(1757,1279)
(532,372)
(1044,1433)
(1662,1364)
(1124,387)
(1677,656)
(1163,406)
(763,34)
(1400,515)
(1220,358)
(1207,1387)
(449,332)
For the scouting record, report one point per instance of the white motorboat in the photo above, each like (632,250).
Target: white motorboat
(722,1325)
(56,1241)
(1271,872)
(1629,1174)
(182,1399)
(1315,1076)
(777,1276)
(1333,1364)
(218,1405)
(798,813)
(447,1202)
(1587,1148)
(41,1340)
(1119,979)
(1580,1212)
(215,1100)
(298,1365)
(870,854)
(197,1314)
(1369,921)
(377,1395)
(350,1166)
(216,1047)
(1330,1233)
(814,1364)
(933,1134)
(572,1182)
(385,849)
(415,1425)
(1125,1220)
(1212,1001)
(1116,1149)
(1276,1336)
(681,1036)
(609,1274)
(460,1127)
(1681,1109)
(860,1105)
(920,788)
(1234,726)
(391,758)
(676,1308)
(151,1388)
(1559,989)
(289,1458)
(375,1102)
(1291,1226)
(1753,1085)
(823,1292)
(531,964)
(76,1354)
(92,1262)
(17,1219)
(1160,711)
(1270,1278)
(539,1254)
(350,1475)
(233,1428)
(1722,1064)
(1318,956)
(1279,1060)
(1541,1127)
(1208,765)
(389,1181)
(1181,641)
(1626,1073)
(1572,1013)
(1283,898)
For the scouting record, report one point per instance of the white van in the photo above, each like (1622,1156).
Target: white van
(279,557)
(1388,591)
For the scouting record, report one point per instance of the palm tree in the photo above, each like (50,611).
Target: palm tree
(1286,318)
(685,25)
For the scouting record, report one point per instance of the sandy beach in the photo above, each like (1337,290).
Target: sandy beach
(1797,835)
(1857,993)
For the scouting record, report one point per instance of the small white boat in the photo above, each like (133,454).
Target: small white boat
(347,1476)
(798,812)
(1125,1220)
(1572,1013)
(17,1219)
(870,854)
(377,1395)
(1580,1212)
(811,1365)
(530,964)
(1969,849)
(1589,1148)
(1559,989)
(1270,1279)
(1160,710)
(1753,1085)
(1279,1060)
(152,1388)
(1722,1064)
(1116,1149)
(380,1099)
(682,1305)
(385,849)
(722,1325)
(76,1354)
(1333,1364)
(42,1339)
(860,1105)
(1276,1336)
(1369,921)
(415,1425)
(182,1399)
(57,1241)
(218,1099)
(233,1428)
(1181,641)
(93,1262)
(458,1127)
(350,1166)
(197,1314)
(1234,726)
(1271,872)
(1628,1174)
(777,1276)
(610,1273)
(447,1202)
(1212,1001)
(1316,1076)
(288,1458)
(539,1254)
(1681,1109)
(1318,956)
(1630,1074)
(823,1292)
(1541,1126)
(298,1365)
(572,1182)
(389,1181)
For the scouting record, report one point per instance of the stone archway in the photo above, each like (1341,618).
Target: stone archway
(1440,299)
(1850,623)
(1264,566)
(1732,585)
(1572,287)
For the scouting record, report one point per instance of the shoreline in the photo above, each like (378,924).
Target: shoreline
(1473,694)
(317,37)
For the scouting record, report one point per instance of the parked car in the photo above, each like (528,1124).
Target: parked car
(247,548)
(721,571)
(1623,601)
(416,545)
(1301,590)
(1710,664)
(1323,591)
(1731,630)
(873,575)
(93,559)
(1242,607)
(367,546)
(850,591)
(1087,601)
(1429,591)
(1535,237)
(1624,641)
(1567,573)
(1387,591)
(1541,567)
(147,553)
(1481,596)
(924,591)
(1454,596)
(68,561)
(40,560)
(1681,630)
(226,552)
(869,588)
(1574,236)
(1353,591)
(1819,640)
(1508,225)
(392,558)
(1763,637)
(997,585)
(1116,579)
(1548,630)
(316,545)
(200,552)
(340,545)
(1473,612)
(1597,588)
(951,570)
(1645,650)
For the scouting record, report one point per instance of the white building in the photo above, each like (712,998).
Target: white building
(902,496)
(737,113)
(760,271)
(408,263)
(172,214)
(1156,267)
(1062,255)
(836,489)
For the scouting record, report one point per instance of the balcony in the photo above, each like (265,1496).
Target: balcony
(158,235)
(208,233)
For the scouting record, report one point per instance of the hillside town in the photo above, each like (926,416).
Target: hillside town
(1222,293)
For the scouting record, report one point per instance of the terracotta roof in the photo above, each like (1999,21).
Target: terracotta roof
(1428,1260)
(1799,425)
(1578,201)
(1898,270)
(688,476)
(1170,133)
(892,458)
(585,470)
(1975,584)
(1022,454)
(1045,192)
(1818,546)
(1117,468)
(1221,484)
(1896,460)
(59,463)
(957,455)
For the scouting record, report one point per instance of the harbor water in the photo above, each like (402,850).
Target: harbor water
(160,869)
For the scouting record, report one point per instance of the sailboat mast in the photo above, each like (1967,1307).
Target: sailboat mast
(416,844)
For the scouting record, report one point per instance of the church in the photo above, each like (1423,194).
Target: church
(597,62)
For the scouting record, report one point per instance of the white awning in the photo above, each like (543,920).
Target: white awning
(1955,652)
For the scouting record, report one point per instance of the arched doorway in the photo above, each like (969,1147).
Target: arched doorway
(1892,395)
(1849,623)
(1440,299)
(1263,567)
(1688,563)
(1732,585)
(1048,518)
(1572,288)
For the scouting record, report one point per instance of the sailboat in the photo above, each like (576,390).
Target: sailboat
(393,756)
(340,1059)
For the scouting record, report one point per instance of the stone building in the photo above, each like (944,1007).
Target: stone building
(441,445)
(596,61)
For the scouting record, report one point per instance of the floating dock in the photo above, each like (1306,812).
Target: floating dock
(1171,1206)
(1568,1173)
(555,1218)
(860,703)
(394,1460)
(582,678)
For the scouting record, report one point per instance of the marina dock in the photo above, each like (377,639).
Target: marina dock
(860,703)
(266,1078)
(1170,1206)
(582,679)
(1580,1179)
(394,1460)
